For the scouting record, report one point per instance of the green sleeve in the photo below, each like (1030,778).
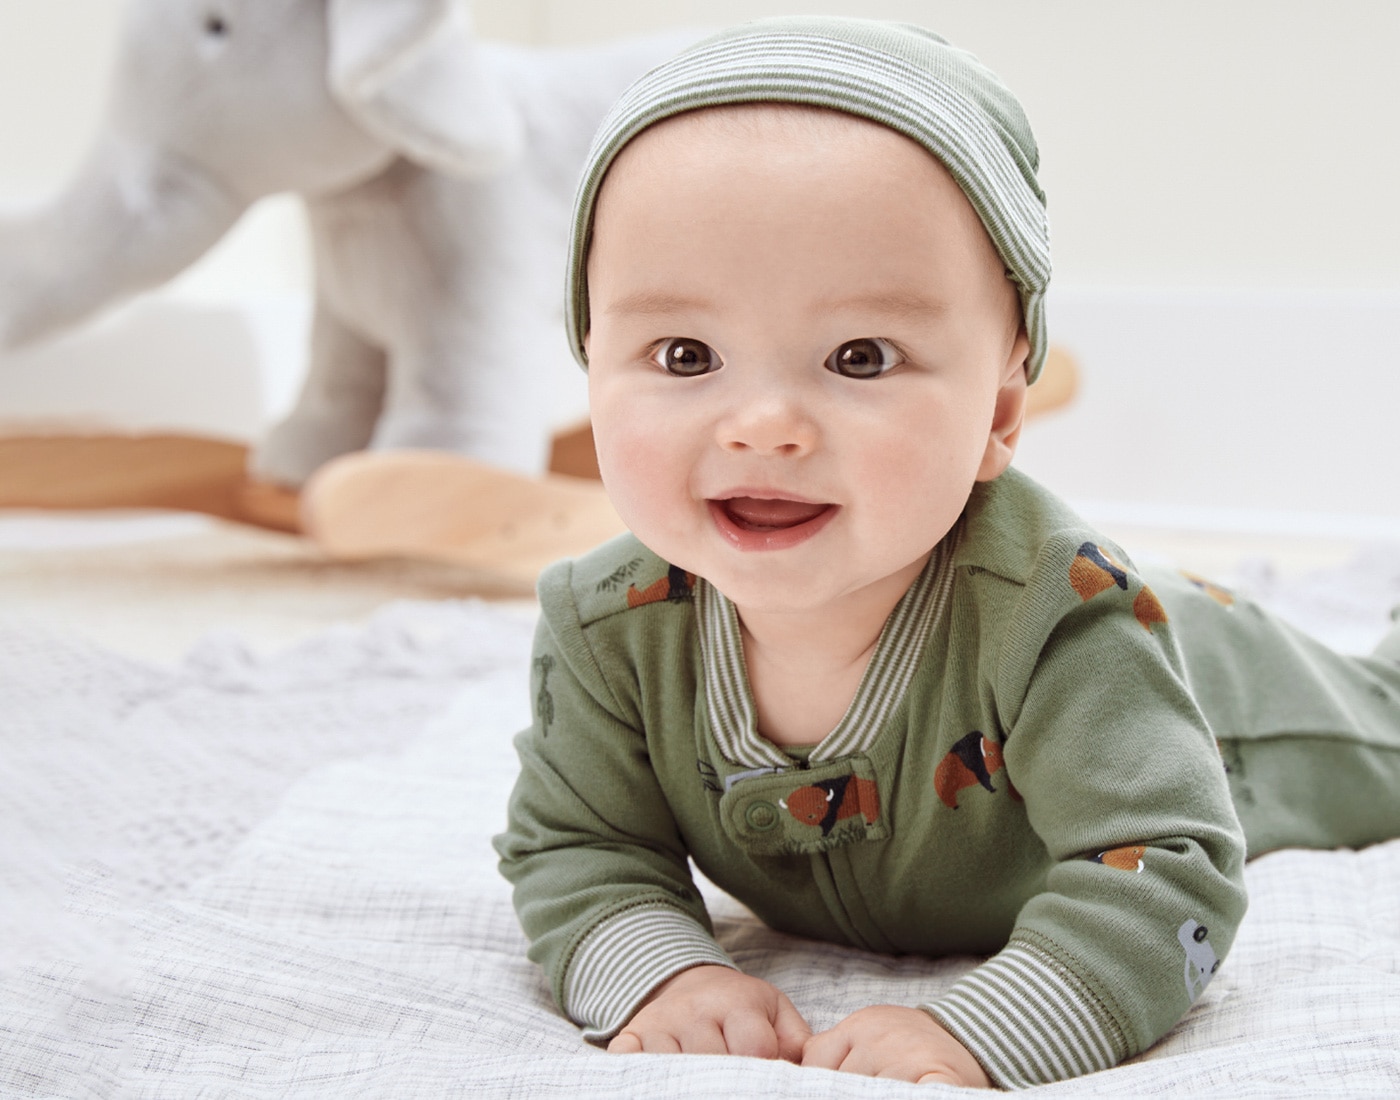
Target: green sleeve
(1123,784)
(601,876)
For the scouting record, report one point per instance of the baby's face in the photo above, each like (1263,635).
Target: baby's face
(803,352)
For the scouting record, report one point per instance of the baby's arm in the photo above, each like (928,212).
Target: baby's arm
(602,880)
(1121,782)
(1109,756)
(715,1010)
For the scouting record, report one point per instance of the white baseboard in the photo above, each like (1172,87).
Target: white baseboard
(1229,403)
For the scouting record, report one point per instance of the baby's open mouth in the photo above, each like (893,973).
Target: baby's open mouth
(758,514)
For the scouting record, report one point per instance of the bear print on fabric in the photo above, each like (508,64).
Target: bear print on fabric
(1094,570)
(1223,596)
(831,800)
(1148,609)
(971,761)
(1126,858)
(675,586)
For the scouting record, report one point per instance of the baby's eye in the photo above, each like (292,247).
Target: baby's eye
(868,357)
(686,358)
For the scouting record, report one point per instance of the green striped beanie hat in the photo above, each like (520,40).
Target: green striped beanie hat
(896,74)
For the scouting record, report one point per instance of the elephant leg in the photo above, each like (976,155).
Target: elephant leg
(340,402)
(471,398)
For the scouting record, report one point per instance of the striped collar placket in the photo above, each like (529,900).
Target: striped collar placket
(903,639)
(728,701)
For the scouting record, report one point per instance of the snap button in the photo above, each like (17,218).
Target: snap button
(792,811)
(761,815)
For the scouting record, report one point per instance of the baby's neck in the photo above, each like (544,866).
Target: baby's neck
(804,666)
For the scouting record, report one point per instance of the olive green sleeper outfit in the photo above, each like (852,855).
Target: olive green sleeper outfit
(1029,770)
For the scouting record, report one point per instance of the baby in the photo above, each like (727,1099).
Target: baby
(874,682)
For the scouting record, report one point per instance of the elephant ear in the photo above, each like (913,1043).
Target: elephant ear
(411,72)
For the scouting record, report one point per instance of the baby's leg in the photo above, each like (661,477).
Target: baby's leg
(1314,791)
(1310,737)
(1317,789)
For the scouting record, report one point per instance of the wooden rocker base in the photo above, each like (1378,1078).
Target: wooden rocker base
(444,507)
(161,470)
(68,470)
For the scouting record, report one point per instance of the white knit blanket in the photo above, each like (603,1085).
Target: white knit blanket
(270,876)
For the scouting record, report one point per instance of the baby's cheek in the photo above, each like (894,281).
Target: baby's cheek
(638,470)
(914,487)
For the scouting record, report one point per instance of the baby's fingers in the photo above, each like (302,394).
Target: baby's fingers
(699,1038)
(776,1030)
(792,1030)
(827,1050)
(650,1042)
(750,1035)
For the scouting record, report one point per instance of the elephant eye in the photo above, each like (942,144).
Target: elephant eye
(215,25)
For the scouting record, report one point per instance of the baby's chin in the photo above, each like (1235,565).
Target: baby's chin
(772,589)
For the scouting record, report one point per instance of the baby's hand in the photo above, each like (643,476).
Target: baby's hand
(906,1044)
(715,1010)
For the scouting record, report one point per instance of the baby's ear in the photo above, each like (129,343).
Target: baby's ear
(1009,414)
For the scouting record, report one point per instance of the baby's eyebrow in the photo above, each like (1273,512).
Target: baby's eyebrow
(891,303)
(648,302)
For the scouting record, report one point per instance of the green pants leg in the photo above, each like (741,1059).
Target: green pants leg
(1321,788)
(1310,737)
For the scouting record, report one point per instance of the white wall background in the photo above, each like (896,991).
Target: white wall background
(1222,178)
(1238,143)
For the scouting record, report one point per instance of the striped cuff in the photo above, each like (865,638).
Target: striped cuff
(625,958)
(1029,1020)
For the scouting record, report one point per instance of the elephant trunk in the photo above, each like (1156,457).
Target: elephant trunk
(131,219)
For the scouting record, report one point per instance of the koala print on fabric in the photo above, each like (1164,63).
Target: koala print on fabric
(1201,959)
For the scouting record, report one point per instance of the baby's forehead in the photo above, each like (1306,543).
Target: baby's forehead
(766,153)
(809,183)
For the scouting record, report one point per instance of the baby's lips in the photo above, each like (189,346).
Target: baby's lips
(760,512)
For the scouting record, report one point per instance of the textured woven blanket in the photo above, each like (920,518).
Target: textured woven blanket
(270,876)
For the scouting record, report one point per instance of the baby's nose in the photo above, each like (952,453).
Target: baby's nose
(769,423)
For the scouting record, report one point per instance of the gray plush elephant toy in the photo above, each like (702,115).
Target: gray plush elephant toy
(437,172)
